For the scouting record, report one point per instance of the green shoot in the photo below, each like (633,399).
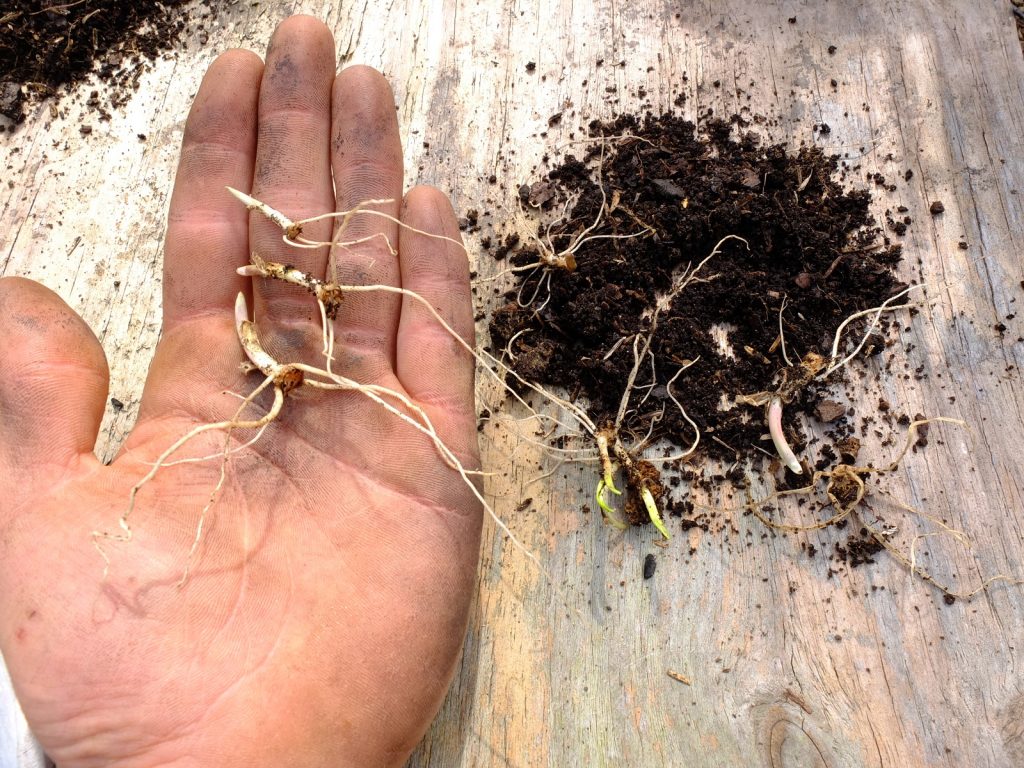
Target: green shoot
(609,511)
(652,510)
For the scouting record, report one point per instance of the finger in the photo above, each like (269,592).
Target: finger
(367,161)
(54,383)
(207,229)
(432,366)
(293,171)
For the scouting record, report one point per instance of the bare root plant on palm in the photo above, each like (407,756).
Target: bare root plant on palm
(283,378)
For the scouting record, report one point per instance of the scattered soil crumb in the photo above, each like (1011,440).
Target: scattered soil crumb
(829,411)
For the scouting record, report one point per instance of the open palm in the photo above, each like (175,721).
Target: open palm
(327,600)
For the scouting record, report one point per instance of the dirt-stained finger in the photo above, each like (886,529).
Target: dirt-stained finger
(366,155)
(54,387)
(207,230)
(433,366)
(293,172)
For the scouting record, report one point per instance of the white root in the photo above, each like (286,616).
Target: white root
(161,461)
(885,306)
(551,258)
(782,334)
(779,437)
(818,368)
(696,430)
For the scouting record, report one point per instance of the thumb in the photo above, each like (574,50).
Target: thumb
(53,379)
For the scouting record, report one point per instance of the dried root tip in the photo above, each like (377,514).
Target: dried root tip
(779,437)
(291,229)
(652,511)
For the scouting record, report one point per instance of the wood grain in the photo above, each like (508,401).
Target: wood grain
(789,665)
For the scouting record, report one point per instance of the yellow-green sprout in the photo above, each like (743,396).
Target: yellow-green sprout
(652,511)
(609,513)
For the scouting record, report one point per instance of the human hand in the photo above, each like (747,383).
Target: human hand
(327,602)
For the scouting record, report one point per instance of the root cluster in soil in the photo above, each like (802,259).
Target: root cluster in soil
(45,45)
(812,252)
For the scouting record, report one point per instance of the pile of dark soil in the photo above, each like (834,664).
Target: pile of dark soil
(813,245)
(45,45)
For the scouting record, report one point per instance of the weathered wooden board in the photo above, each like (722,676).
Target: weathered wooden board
(788,666)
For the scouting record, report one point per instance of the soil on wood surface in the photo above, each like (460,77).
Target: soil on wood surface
(45,45)
(812,251)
